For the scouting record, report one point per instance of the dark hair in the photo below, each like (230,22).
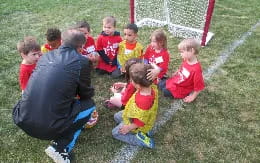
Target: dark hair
(132,27)
(138,73)
(110,20)
(128,64)
(53,34)
(160,36)
(28,44)
(73,38)
(82,24)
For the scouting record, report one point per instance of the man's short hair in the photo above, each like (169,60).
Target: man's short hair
(73,38)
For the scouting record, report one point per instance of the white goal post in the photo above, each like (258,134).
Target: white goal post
(184,18)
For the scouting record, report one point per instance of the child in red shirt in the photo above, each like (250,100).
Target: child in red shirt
(122,91)
(157,53)
(107,47)
(53,37)
(137,119)
(30,52)
(89,49)
(188,81)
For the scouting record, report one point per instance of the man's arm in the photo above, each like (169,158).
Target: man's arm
(85,90)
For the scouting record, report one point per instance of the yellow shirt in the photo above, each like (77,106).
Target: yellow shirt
(124,53)
(147,116)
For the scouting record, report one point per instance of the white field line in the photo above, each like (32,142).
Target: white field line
(128,152)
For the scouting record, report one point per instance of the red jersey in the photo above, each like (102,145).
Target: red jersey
(144,102)
(25,73)
(110,45)
(129,91)
(187,79)
(89,47)
(161,59)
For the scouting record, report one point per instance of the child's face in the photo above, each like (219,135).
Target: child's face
(32,57)
(130,36)
(187,54)
(54,44)
(155,44)
(85,31)
(108,28)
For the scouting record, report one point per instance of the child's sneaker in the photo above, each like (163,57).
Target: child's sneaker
(58,157)
(145,140)
(109,105)
(93,120)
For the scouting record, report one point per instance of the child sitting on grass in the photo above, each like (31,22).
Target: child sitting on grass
(122,91)
(30,52)
(107,47)
(138,117)
(89,49)
(157,54)
(129,48)
(188,81)
(53,37)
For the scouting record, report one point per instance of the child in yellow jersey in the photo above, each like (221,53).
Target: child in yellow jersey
(139,115)
(53,37)
(129,48)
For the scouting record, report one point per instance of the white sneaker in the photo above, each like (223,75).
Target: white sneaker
(57,157)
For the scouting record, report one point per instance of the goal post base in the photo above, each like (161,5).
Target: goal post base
(177,30)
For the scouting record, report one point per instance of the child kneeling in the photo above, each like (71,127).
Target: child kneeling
(138,117)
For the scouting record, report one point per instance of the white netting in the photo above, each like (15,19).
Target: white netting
(184,18)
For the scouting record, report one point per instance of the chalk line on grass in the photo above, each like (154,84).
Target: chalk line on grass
(128,152)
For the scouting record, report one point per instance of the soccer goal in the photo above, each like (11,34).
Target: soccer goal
(184,18)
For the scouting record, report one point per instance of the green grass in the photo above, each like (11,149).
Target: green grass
(222,125)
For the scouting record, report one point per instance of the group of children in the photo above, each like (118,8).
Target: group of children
(143,71)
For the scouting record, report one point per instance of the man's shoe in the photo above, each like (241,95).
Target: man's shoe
(58,157)
(145,140)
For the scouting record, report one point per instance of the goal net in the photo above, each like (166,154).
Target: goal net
(184,18)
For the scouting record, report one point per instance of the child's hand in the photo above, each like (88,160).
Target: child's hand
(91,57)
(191,97)
(188,99)
(125,129)
(153,73)
(119,85)
(113,89)
(122,69)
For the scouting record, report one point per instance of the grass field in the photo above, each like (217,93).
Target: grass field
(222,125)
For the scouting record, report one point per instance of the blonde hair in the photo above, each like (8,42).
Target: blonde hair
(160,36)
(189,44)
(110,20)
